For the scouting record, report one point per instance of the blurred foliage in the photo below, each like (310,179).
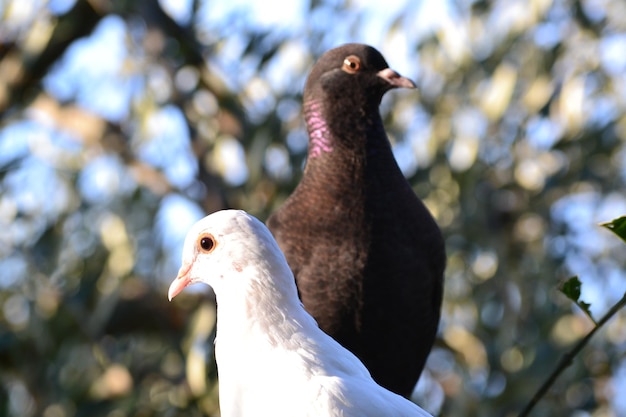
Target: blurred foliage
(571,289)
(121,122)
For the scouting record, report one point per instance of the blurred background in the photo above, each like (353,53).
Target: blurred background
(123,122)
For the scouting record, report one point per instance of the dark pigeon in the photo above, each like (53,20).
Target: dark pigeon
(367,255)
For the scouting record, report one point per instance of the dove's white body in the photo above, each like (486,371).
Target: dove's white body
(272,358)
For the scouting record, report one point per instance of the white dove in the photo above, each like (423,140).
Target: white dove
(272,358)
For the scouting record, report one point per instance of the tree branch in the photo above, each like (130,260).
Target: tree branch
(569,357)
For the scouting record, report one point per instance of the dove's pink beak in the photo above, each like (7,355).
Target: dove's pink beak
(181,281)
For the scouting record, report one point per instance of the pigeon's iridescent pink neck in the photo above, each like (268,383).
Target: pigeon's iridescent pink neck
(318,129)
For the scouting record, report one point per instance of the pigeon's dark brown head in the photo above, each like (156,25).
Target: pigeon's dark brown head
(353,72)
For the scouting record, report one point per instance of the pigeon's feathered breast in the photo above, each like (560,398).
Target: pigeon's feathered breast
(323,231)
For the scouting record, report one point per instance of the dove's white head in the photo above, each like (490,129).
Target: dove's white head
(237,256)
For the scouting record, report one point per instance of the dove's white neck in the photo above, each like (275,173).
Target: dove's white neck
(263,333)
(265,310)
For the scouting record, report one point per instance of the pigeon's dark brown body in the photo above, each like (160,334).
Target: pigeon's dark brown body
(367,255)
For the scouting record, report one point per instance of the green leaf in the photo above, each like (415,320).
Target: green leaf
(617,226)
(571,289)
(585,307)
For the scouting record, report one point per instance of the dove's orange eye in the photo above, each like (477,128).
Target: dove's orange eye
(352,64)
(207,243)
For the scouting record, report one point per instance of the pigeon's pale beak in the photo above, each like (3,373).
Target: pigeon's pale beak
(181,281)
(396,80)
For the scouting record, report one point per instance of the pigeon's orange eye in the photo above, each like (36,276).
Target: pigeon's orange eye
(352,64)
(207,243)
